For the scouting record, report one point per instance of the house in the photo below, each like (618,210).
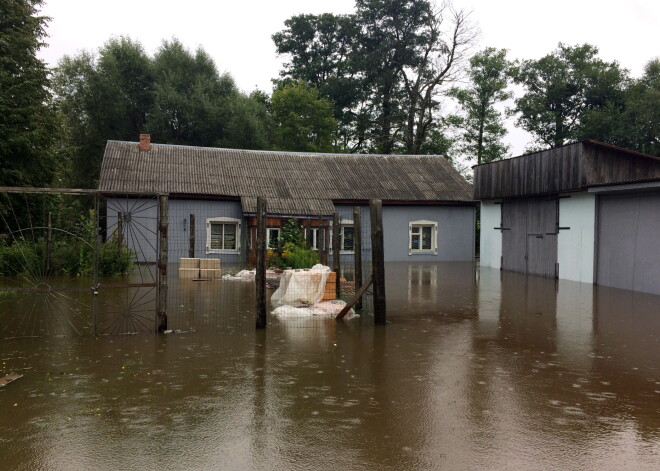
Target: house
(586,211)
(428,211)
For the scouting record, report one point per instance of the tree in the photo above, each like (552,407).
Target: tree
(643,111)
(303,120)
(101,98)
(27,119)
(393,57)
(481,123)
(321,49)
(560,88)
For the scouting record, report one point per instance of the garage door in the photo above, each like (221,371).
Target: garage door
(628,244)
(529,236)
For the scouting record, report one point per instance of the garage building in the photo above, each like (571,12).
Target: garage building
(586,211)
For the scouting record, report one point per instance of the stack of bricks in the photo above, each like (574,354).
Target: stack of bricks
(199,268)
(330,287)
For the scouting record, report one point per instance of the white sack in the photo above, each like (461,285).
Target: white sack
(301,287)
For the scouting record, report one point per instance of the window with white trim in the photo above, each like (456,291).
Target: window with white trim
(223,235)
(347,237)
(312,236)
(422,237)
(273,237)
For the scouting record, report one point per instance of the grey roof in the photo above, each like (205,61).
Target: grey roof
(294,183)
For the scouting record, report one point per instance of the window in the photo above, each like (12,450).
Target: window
(223,235)
(346,238)
(313,236)
(422,237)
(273,237)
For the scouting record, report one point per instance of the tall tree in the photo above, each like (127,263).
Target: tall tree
(303,120)
(27,120)
(396,56)
(101,98)
(481,123)
(321,49)
(560,88)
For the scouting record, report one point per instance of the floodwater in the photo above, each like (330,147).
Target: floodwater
(475,370)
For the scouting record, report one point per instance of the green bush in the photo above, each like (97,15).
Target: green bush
(70,256)
(299,257)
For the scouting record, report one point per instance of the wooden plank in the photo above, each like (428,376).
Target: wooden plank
(260,273)
(191,237)
(378,261)
(163,203)
(335,250)
(357,252)
(358,296)
(10,378)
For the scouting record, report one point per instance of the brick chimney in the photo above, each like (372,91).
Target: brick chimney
(145,141)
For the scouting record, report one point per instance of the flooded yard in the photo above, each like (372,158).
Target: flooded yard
(475,370)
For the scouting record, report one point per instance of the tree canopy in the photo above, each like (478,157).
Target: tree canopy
(27,118)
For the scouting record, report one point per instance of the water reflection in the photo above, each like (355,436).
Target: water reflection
(476,370)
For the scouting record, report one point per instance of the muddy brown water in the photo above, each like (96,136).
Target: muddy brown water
(475,370)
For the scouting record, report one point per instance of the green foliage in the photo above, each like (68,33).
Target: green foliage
(294,252)
(562,89)
(177,96)
(382,68)
(481,124)
(303,121)
(101,98)
(299,257)
(27,121)
(71,255)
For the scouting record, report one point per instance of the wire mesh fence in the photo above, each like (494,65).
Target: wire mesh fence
(85,262)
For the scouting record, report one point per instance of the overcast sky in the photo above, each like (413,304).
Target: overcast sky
(237,34)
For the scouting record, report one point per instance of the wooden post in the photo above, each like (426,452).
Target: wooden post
(191,237)
(357,255)
(95,264)
(162,264)
(308,233)
(335,251)
(120,229)
(378,260)
(49,243)
(320,241)
(260,274)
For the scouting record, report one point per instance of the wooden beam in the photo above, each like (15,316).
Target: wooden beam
(356,298)
(378,261)
(260,273)
(162,263)
(191,237)
(335,252)
(357,252)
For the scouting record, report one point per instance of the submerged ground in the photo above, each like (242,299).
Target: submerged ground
(475,370)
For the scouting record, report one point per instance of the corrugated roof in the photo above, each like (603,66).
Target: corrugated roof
(294,183)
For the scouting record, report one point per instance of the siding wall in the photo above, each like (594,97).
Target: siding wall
(456,226)
(490,244)
(144,239)
(576,245)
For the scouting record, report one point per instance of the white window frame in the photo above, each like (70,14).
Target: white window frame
(314,232)
(341,236)
(223,220)
(269,230)
(434,237)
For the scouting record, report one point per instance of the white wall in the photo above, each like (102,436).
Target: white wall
(575,246)
(490,246)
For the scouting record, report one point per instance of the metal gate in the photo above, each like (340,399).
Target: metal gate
(76,262)
(529,239)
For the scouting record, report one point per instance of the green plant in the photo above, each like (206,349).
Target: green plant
(299,257)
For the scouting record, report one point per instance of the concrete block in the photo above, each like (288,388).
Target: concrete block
(209,263)
(189,263)
(209,273)
(188,273)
